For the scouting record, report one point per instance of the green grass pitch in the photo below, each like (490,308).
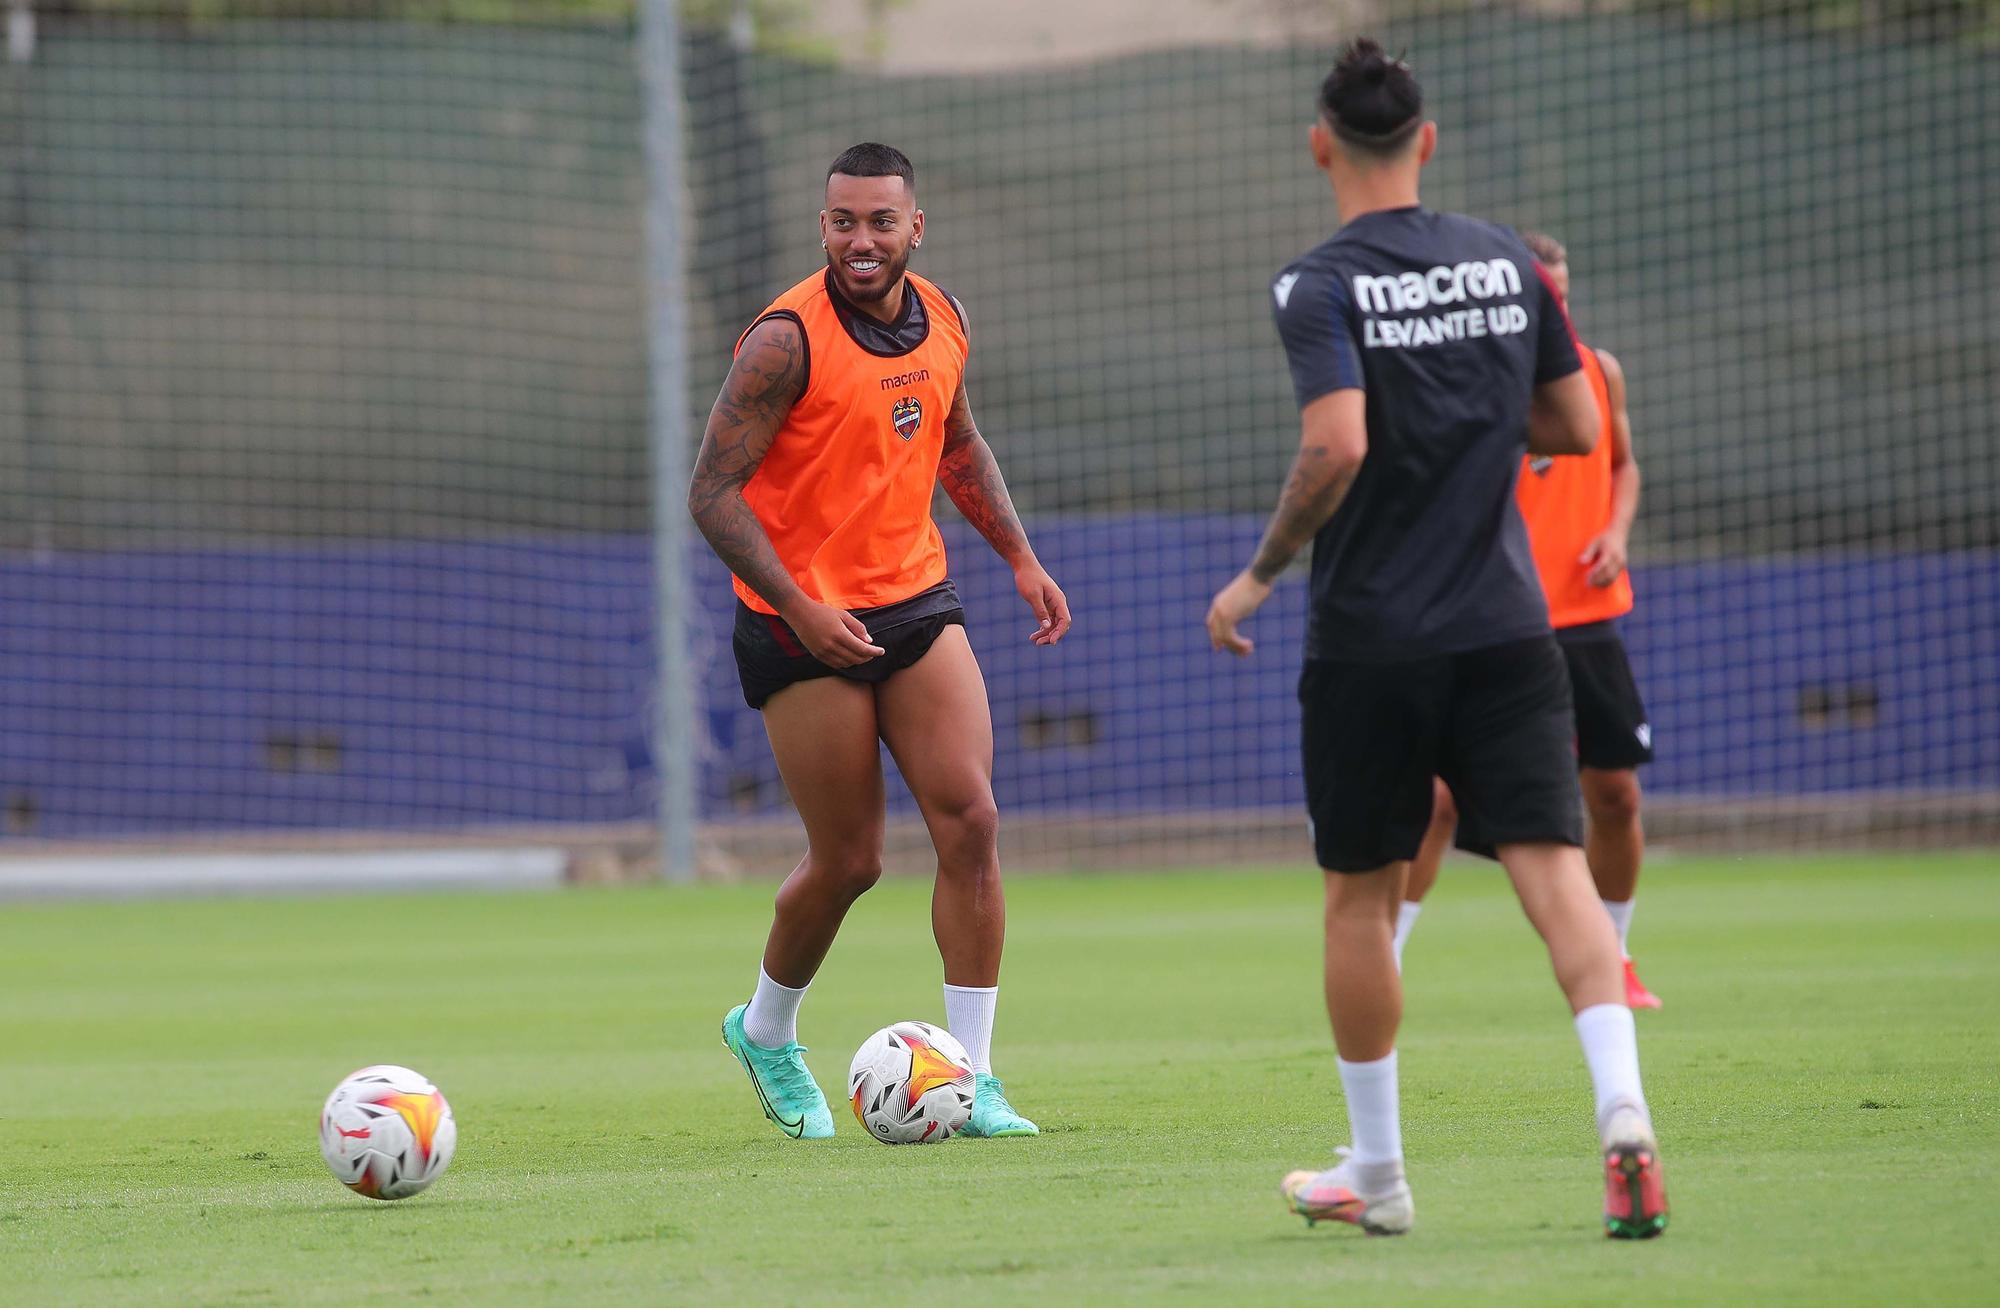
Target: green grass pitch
(1826,1076)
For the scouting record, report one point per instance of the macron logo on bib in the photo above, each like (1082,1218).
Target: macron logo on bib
(1472,284)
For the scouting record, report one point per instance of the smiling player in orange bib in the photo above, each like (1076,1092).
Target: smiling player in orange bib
(844,410)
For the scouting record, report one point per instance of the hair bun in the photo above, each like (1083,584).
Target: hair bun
(1371,98)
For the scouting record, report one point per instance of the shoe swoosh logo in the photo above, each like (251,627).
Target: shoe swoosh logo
(793,1129)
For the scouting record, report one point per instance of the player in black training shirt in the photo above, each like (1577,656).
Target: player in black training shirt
(1427,351)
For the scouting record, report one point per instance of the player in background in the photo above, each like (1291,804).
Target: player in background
(1579,513)
(1426,354)
(845,407)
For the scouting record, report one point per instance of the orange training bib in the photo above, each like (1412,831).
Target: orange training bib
(1566,502)
(845,491)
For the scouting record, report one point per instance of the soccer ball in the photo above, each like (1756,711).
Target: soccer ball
(911,1083)
(387,1133)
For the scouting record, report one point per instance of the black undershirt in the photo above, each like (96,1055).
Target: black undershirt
(887,340)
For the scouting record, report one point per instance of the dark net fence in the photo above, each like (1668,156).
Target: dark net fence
(322,407)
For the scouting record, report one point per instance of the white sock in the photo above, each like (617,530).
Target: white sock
(968,1015)
(1373,1112)
(1611,1047)
(1621,917)
(772,1021)
(1406,918)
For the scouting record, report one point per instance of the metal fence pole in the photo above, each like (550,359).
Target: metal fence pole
(675,730)
(17,228)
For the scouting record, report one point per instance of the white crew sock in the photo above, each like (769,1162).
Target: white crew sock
(1621,917)
(1374,1115)
(1611,1047)
(772,1021)
(968,1015)
(1406,918)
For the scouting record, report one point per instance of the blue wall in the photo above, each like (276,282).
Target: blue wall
(507,682)
(460,683)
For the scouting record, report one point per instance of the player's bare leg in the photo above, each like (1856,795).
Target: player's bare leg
(937,724)
(823,735)
(1424,867)
(1364,995)
(1556,892)
(1615,847)
(1617,841)
(1364,1002)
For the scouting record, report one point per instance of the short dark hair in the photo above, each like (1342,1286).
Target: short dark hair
(1371,101)
(1544,247)
(873,159)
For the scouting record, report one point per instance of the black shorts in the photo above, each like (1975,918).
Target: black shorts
(1495,723)
(769,656)
(1611,727)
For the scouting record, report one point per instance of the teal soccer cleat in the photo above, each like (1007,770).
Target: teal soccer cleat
(784,1086)
(992,1116)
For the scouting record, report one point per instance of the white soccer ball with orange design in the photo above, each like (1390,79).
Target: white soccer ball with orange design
(387,1133)
(911,1083)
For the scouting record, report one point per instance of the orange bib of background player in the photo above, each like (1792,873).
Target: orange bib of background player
(1566,502)
(845,491)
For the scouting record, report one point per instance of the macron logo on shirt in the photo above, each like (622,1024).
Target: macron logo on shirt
(1282,288)
(1480,279)
(1446,284)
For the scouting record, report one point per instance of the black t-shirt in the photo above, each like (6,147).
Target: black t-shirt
(1448,324)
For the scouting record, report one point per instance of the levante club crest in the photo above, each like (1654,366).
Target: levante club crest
(908,415)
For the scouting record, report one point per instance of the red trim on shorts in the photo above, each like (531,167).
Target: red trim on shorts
(787,642)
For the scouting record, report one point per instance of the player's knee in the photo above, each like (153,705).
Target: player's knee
(1361,896)
(1612,797)
(850,872)
(971,821)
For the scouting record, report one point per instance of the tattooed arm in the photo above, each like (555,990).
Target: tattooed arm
(1335,439)
(971,478)
(763,384)
(1333,442)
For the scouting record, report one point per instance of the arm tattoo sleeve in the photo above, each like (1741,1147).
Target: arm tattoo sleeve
(1312,493)
(767,378)
(972,479)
